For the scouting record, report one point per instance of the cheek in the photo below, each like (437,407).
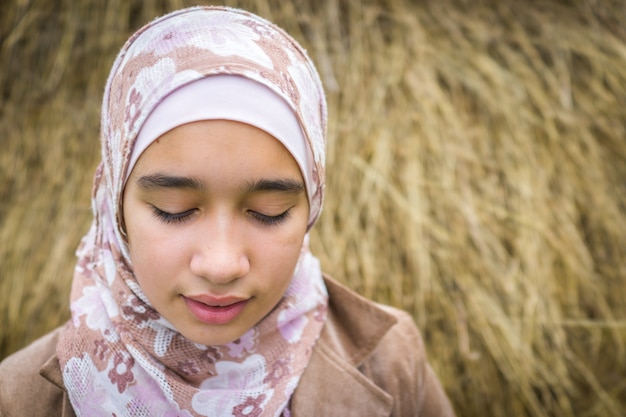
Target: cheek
(153,254)
(154,251)
(156,265)
(282,256)
(143,252)
(147,237)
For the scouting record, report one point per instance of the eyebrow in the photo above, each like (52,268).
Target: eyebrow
(288,186)
(159,181)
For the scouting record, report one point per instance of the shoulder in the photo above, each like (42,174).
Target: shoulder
(386,346)
(23,390)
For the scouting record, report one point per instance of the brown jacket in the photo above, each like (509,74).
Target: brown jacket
(369,361)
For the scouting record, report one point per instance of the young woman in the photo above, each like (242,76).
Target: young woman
(195,293)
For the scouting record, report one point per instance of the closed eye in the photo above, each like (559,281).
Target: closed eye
(169,218)
(267,220)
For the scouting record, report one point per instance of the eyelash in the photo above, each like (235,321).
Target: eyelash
(271,220)
(170,218)
(266,220)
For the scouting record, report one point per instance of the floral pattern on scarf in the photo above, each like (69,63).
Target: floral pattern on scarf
(118,355)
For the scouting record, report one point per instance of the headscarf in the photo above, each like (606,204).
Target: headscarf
(117,354)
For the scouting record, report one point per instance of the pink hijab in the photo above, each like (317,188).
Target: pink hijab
(117,354)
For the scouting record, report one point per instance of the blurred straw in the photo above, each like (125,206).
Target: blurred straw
(477,178)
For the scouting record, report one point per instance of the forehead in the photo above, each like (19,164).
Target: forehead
(218,151)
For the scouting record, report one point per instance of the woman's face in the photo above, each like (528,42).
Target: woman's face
(216,213)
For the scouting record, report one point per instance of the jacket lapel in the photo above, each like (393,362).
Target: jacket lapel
(332,384)
(52,372)
(332,387)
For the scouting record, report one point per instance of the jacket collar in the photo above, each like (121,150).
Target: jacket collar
(51,370)
(332,384)
(355,325)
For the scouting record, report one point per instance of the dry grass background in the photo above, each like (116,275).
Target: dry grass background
(477,178)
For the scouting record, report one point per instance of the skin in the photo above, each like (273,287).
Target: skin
(215,210)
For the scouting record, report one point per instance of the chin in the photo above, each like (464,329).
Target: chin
(213,340)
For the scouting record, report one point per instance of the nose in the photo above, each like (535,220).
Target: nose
(220,256)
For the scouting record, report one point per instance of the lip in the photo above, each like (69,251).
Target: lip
(215,310)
